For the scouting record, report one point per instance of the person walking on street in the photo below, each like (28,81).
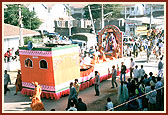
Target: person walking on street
(72,95)
(114,74)
(136,73)
(77,86)
(135,50)
(122,92)
(160,68)
(97,83)
(132,64)
(18,82)
(37,104)
(81,106)
(123,71)
(141,72)
(6,81)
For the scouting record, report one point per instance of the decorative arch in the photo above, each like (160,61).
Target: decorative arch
(117,33)
(43,64)
(28,63)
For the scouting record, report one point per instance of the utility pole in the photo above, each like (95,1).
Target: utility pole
(91,19)
(69,23)
(21,41)
(102,26)
(125,18)
(151,16)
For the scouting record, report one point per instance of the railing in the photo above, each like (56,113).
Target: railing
(134,99)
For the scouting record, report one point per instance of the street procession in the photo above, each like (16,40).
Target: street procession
(80,56)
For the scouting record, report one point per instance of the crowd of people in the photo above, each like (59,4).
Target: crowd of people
(153,44)
(11,55)
(145,93)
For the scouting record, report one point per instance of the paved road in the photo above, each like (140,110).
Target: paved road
(21,102)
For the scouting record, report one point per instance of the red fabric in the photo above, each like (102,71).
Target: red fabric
(87,72)
(58,95)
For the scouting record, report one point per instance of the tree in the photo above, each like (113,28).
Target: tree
(29,18)
(95,10)
(113,10)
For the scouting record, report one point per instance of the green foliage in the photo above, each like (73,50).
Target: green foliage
(95,10)
(107,8)
(34,39)
(27,39)
(29,18)
(114,8)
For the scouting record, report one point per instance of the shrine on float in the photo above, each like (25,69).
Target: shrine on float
(110,41)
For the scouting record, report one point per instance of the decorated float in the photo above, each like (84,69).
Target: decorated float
(55,66)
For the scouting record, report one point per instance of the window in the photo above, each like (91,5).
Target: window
(132,9)
(132,29)
(43,64)
(28,63)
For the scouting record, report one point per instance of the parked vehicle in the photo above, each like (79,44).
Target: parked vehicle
(51,35)
(84,38)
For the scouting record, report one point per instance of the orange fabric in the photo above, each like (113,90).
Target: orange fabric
(37,105)
(37,92)
(18,83)
(87,72)
(43,76)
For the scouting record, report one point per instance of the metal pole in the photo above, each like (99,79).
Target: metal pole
(21,42)
(125,12)
(150,16)
(125,18)
(69,23)
(102,18)
(91,19)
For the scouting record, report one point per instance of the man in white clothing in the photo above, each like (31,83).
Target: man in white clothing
(87,60)
(109,105)
(72,108)
(141,72)
(160,68)
(136,73)
(132,64)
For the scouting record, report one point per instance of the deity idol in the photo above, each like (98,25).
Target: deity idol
(111,42)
